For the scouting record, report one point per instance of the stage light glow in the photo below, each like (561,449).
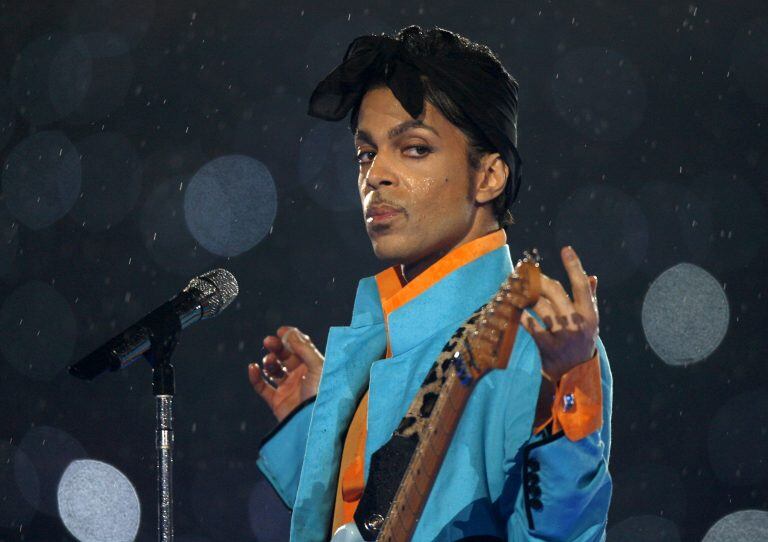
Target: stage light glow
(230,204)
(129,20)
(97,502)
(41,179)
(37,330)
(685,314)
(741,526)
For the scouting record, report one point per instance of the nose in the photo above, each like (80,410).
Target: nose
(377,175)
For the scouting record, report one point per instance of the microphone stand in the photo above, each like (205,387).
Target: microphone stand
(165,333)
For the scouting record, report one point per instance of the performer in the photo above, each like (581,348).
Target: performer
(434,118)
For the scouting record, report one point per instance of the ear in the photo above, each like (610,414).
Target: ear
(491,178)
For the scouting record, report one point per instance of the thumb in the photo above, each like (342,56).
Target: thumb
(300,344)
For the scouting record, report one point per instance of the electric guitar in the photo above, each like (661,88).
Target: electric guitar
(403,471)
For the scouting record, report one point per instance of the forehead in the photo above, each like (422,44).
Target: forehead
(380,111)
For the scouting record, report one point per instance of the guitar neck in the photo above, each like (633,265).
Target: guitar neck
(425,464)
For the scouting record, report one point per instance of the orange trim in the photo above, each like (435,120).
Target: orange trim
(586,415)
(394,292)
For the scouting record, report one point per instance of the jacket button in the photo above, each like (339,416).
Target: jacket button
(533,466)
(536,504)
(534,491)
(533,479)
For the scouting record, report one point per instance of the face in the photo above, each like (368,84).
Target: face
(414,180)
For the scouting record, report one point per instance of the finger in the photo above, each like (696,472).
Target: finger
(541,336)
(303,347)
(582,294)
(275,344)
(273,367)
(261,387)
(547,312)
(552,290)
(593,285)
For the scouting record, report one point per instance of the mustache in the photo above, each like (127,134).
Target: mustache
(375,201)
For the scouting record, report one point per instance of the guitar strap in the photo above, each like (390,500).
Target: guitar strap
(390,462)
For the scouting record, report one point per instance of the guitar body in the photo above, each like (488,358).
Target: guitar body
(347,533)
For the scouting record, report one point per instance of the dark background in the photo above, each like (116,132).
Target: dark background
(643,133)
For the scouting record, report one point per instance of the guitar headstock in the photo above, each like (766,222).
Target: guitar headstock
(490,344)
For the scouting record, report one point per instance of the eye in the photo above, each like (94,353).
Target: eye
(359,157)
(423,150)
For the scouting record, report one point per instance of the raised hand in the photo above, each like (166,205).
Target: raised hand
(572,325)
(289,373)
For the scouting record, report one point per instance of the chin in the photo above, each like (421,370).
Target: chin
(390,249)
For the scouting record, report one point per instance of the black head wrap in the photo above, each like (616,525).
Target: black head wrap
(469,74)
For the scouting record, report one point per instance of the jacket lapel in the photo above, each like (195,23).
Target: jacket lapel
(349,353)
(418,331)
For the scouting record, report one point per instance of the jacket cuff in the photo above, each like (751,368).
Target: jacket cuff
(578,405)
(282,423)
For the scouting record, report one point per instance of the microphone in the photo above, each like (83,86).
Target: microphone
(204,297)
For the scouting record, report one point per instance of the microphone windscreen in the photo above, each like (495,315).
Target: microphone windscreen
(218,288)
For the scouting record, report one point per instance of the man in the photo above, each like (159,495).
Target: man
(435,123)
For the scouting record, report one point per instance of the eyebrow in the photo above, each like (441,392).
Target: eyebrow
(362,135)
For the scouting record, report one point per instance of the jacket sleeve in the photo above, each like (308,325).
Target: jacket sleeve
(564,484)
(281,452)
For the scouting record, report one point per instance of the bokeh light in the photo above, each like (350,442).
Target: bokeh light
(741,526)
(685,314)
(15,510)
(230,204)
(111,180)
(41,179)
(37,330)
(112,71)
(51,77)
(166,235)
(327,167)
(599,92)
(750,59)
(598,219)
(50,451)
(738,440)
(644,529)
(97,502)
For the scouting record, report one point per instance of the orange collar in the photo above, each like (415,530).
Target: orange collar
(394,292)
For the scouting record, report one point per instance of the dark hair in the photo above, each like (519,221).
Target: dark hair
(477,144)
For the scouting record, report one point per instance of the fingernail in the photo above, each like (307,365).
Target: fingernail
(569,254)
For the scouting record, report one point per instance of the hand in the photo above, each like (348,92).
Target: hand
(572,325)
(293,364)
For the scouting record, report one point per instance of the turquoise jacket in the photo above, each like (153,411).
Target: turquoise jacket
(497,480)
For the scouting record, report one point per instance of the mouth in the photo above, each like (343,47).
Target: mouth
(380,215)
